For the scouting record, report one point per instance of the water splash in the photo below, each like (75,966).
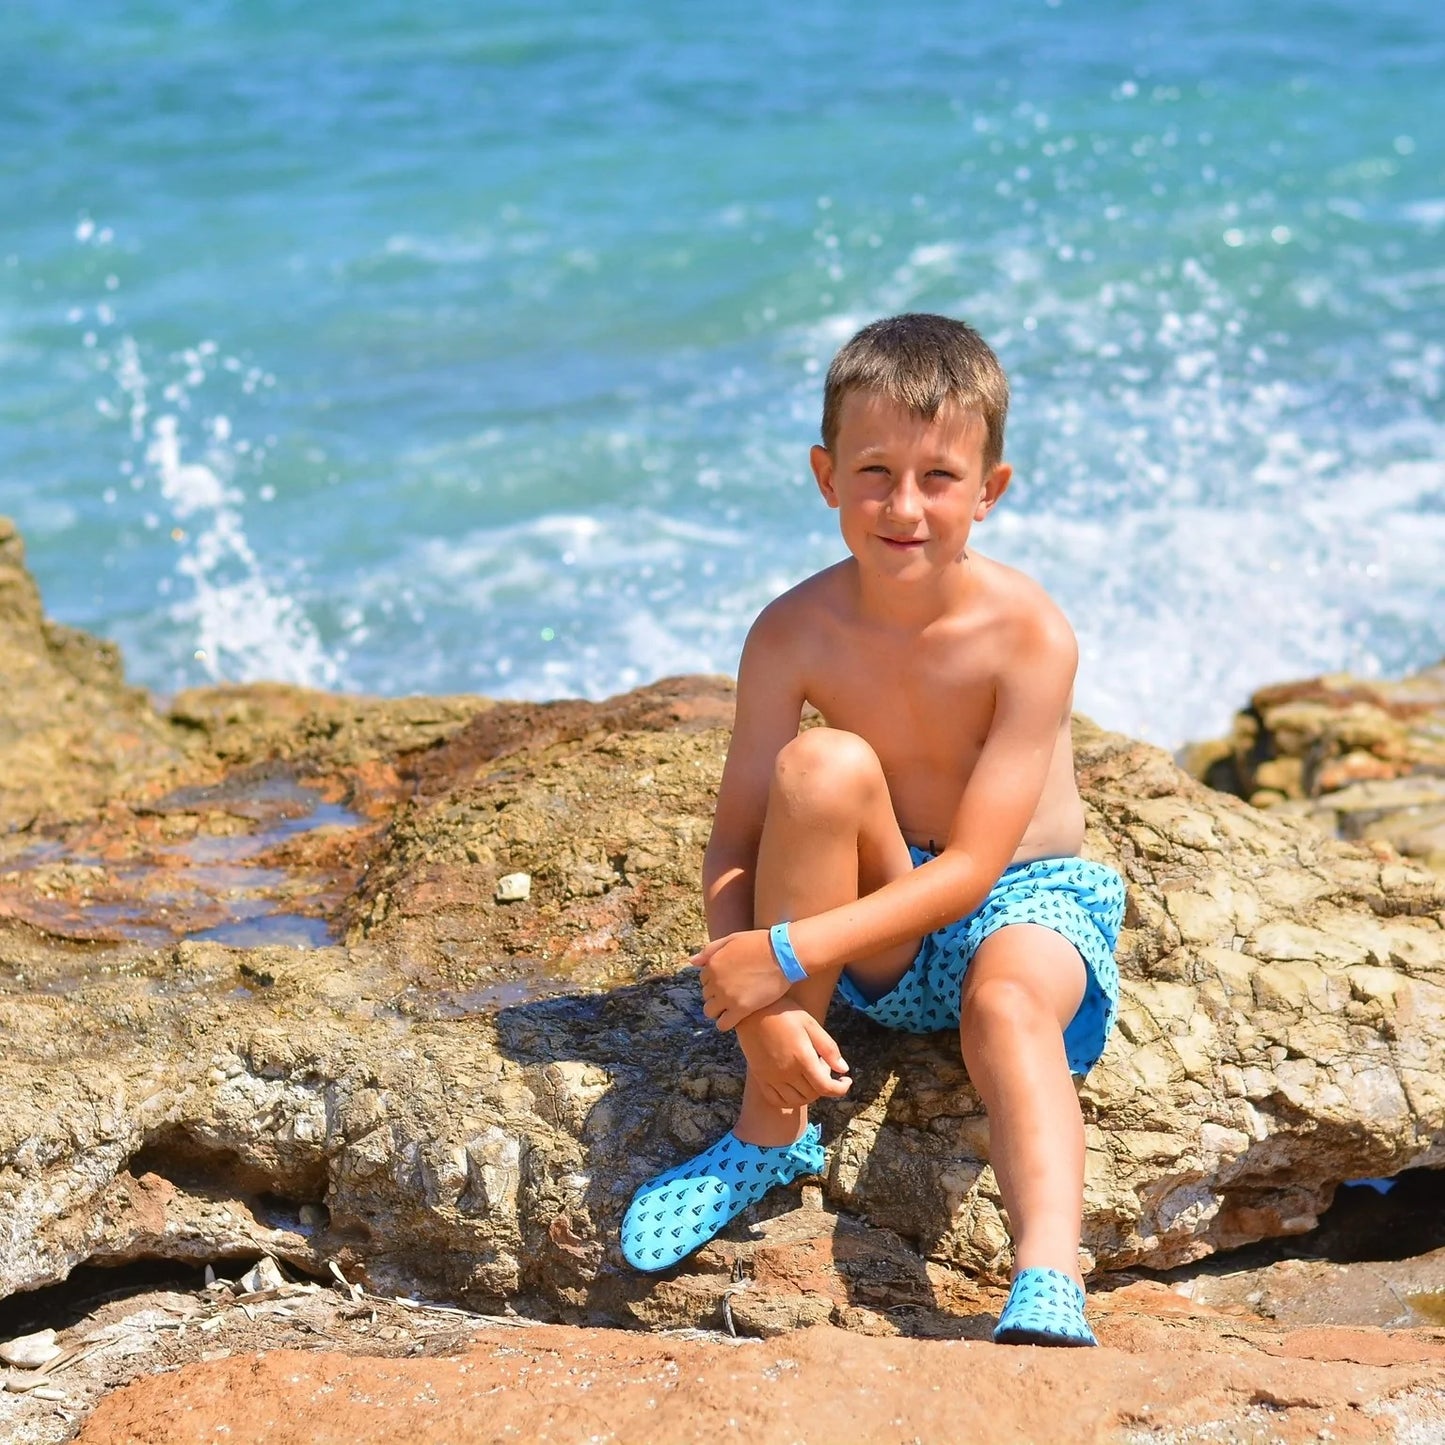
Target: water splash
(243,625)
(1207,252)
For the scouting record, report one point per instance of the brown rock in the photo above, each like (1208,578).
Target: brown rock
(71,732)
(468,1092)
(1160,1376)
(1364,760)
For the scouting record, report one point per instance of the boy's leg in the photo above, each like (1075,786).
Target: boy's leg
(1020,992)
(829,836)
(829,832)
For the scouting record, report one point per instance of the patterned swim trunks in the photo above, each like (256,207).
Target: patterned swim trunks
(1079,900)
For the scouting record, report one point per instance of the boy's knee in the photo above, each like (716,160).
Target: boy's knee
(1000,1006)
(827,769)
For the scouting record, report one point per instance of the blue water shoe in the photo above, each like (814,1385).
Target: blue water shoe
(1045,1307)
(679,1211)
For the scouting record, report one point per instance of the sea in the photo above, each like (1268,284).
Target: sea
(479,347)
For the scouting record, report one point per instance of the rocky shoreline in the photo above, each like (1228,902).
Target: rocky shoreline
(265,993)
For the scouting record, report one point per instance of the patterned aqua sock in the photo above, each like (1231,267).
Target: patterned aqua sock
(679,1211)
(1045,1307)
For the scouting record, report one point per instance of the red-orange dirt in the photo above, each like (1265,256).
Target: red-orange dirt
(1177,1376)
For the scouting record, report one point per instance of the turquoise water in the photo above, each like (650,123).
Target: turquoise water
(479,347)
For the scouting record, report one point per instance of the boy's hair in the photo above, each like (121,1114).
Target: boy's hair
(921,362)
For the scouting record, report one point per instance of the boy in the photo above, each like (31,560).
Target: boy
(918,853)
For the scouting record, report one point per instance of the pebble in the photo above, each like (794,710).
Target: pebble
(264,1274)
(30,1352)
(313,1215)
(514,888)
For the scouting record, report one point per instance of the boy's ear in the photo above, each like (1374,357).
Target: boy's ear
(821,460)
(995,485)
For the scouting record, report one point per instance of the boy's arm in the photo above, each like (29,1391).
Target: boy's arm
(997,806)
(788,1052)
(769,705)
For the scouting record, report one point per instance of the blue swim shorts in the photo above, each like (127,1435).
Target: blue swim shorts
(1082,901)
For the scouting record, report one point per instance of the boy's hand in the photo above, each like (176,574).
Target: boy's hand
(739,976)
(791,1056)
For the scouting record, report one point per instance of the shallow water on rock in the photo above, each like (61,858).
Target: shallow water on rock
(206,887)
(269,930)
(284,807)
(434,1004)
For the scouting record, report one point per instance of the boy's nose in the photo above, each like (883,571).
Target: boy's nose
(906,500)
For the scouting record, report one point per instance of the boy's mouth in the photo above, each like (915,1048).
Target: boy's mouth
(903,544)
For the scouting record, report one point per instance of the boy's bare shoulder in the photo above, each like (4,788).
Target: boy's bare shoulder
(801,607)
(774,671)
(1019,609)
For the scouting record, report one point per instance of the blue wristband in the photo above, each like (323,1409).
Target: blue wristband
(793,971)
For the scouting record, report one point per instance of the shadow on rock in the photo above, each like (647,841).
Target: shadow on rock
(667,1085)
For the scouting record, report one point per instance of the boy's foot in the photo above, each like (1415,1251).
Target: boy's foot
(1045,1307)
(679,1211)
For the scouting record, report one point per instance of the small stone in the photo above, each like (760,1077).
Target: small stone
(264,1274)
(313,1216)
(23,1383)
(514,888)
(50,1393)
(30,1352)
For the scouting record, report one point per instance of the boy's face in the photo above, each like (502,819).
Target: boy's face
(907,490)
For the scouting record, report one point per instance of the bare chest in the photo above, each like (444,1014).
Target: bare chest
(926,718)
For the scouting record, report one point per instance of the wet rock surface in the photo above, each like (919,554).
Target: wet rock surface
(441,1091)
